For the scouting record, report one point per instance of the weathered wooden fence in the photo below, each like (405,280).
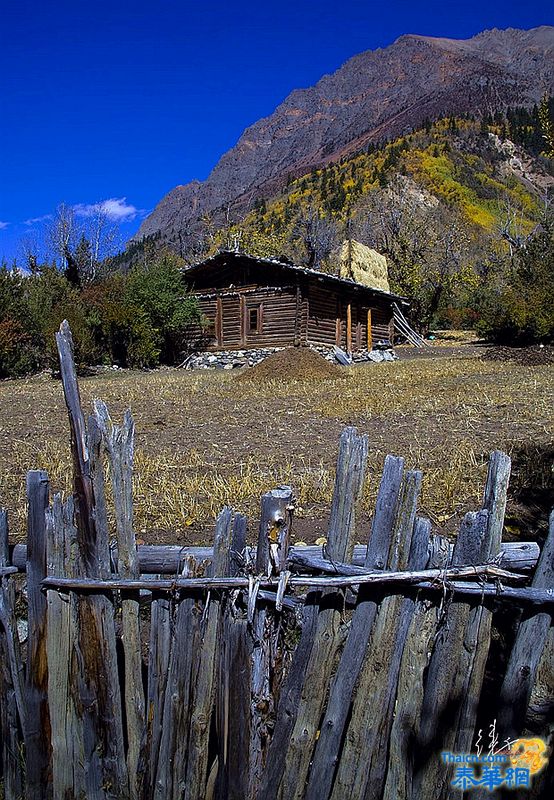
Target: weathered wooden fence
(258,670)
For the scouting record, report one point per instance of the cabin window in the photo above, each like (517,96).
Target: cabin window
(254,319)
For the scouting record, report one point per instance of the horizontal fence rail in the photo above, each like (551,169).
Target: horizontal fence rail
(253,669)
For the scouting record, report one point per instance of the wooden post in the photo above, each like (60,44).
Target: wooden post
(349,328)
(234,700)
(369,333)
(478,631)
(12,710)
(449,673)
(205,673)
(296,727)
(243,320)
(37,742)
(219,322)
(68,759)
(328,745)
(528,647)
(409,696)
(297,311)
(362,763)
(98,679)
(159,651)
(271,555)
(171,721)
(119,443)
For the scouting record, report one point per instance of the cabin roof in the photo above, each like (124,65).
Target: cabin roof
(226,257)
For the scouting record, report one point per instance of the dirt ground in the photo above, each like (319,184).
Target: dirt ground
(207,438)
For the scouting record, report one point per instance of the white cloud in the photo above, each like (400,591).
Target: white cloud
(3,225)
(116,209)
(37,220)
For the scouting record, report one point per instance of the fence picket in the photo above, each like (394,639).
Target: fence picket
(271,554)
(65,719)
(332,728)
(37,739)
(105,765)
(328,636)
(205,668)
(447,673)
(12,704)
(119,443)
(234,681)
(526,652)
(171,760)
(362,764)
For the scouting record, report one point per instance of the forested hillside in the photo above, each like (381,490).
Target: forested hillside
(450,205)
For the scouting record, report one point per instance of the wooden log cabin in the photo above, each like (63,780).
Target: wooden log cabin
(255,303)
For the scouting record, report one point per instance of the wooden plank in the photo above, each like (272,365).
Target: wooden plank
(349,328)
(448,671)
(354,577)
(479,625)
(161,631)
(391,709)
(349,481)
(204,688)
(242,317)
(332,728)
(219,322)
(526,652)
(169,763)
(409,696)
(96,669)
(297,311)
(12,710)
(68,759)
(233,705)
(37,740)
(168,559)
(271,555)
(369,332)
(361,768)
(119,443)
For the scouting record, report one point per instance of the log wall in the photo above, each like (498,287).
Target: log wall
(277,310)
(328,317)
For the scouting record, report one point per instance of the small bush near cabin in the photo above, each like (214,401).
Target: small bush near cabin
(140,319)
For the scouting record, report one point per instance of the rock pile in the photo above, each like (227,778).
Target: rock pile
(230,359)
(234,359)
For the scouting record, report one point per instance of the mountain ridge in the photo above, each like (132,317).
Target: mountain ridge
(373,96)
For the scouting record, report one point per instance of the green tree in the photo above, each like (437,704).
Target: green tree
(521,309)
(158,290)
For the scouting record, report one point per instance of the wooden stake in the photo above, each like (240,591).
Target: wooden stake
(37,741)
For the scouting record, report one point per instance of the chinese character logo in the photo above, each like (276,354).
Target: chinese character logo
(511,766)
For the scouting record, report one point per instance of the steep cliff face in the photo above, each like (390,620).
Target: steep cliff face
(374,96)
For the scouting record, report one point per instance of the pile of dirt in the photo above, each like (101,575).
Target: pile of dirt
(292,364)
(535,356)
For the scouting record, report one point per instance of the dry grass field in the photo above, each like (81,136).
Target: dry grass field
(205,438)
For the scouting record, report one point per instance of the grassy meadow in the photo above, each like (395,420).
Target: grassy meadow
(205,439)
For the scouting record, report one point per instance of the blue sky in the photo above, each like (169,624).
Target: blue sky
(117,102)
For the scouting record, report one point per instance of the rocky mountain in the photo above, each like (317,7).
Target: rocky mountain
(375,96)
